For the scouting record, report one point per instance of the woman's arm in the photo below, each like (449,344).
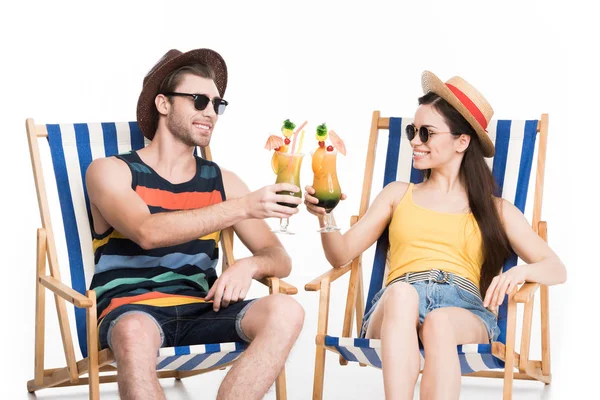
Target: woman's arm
(341,249)
(542,264)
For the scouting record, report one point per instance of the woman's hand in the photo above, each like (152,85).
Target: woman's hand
(311,202)
(503,284)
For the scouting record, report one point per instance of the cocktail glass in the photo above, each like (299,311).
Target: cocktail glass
(287,168)
(327,188)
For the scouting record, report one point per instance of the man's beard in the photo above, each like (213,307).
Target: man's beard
(184,133)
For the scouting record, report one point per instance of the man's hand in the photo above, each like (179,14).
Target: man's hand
(263,202)
(232,286)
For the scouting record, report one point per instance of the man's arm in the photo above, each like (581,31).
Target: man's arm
(269,256)
(109,188)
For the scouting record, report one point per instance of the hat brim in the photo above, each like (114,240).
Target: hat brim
(146,110)
(432,83)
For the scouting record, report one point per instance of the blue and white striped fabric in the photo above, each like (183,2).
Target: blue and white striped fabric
(188,358)
(511,166)
(473,357)
(197,357)
(72,149)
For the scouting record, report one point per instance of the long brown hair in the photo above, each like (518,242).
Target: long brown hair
(481,187)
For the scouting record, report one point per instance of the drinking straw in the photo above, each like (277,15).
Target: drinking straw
(293,151)
(296,135)
(301,127)
(301,141)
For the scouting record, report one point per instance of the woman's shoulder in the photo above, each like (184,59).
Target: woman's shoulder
(503,205)
(397,187)
(395,191)
(507,211)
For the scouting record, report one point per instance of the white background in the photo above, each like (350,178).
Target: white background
(322,62)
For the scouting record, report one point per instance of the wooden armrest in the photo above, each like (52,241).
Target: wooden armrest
(526,292)
(542,230)
(284,287)
(332,275)
(67,293)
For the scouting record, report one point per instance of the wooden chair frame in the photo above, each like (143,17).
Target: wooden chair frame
(528,369)
(97,360)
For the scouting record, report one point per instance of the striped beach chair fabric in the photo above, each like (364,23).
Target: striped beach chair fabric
(71,148)
(517,143)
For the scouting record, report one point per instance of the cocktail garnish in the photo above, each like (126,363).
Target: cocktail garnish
(273,142)
(337,142)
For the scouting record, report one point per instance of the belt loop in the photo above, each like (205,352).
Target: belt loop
(406,277)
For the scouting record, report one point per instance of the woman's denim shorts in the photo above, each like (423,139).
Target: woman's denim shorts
(434,295)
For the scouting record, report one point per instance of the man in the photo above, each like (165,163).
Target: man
(157,216)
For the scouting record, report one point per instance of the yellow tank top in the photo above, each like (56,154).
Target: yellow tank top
(423,239)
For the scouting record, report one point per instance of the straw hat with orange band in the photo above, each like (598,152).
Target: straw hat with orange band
(467,101)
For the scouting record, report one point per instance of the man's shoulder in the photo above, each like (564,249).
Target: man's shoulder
(234,185)
(113,163)
(107,168)
(230,176)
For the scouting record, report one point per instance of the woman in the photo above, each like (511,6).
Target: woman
(449,237)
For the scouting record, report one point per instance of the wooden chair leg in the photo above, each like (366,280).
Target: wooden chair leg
(321,332)
(280,386)
(319,373)
(360,302)
(545,316)
(92,338)
(40,308)
(545,308)
(509,362)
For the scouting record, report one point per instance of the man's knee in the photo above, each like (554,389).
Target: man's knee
(135,332)
(283,313)
(285,309)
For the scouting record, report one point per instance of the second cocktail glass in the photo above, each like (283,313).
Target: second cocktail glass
(326,185)
(287,168)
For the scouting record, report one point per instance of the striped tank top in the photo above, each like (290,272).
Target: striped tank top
(181,274)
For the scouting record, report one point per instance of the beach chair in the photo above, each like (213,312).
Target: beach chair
(61,154)
(517,142)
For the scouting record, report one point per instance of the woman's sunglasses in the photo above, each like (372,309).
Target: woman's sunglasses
(201,101)
(424,133)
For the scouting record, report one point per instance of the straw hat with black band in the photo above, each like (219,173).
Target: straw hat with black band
(467,101)
(147,115)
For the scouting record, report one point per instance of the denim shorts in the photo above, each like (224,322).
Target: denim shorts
(184,325)
(434,295)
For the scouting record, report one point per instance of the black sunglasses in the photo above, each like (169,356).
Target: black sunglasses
(202,100)
(424,133)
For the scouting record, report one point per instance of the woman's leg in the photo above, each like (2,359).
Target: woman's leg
(395,320)
(442,330)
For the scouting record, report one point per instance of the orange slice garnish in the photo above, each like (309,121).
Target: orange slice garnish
(317,159)
(275,163)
